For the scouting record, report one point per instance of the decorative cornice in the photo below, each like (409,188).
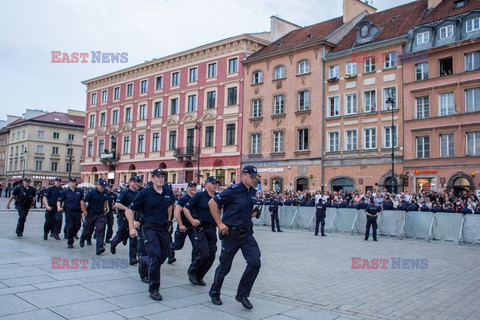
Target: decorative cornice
(190,118)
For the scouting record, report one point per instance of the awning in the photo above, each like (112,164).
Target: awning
(14,180)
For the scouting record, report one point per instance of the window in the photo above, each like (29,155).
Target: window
(333,141)
(370,138)
(369,64)
(116,93)
(351,68)
(172,140)
(446,104)
(92,121)
(278,142)
(23,134)
(103,119)
(447,145)
(303,100)
(159,83)
(472,97)
(212,70)
(423,147)
(389,92)
(473,25)
(69,151)
(155,141)
(473,143)
(94,98)
(423,37)
(90,149)
(209,136)
(39,149)
(211,99)
(256,108)
(333,107)
(257,77)
(115,117)
(446,32)
(421,71)
(38,165)
(388,136)
(67,167)
(232,96)
(104,96)
(54,150)
(472,61)
(128,114)
(302,135)
(71,137)
(351,143)
(141,143)
(389,60)
(56,135)
(423,107)
(333,72)
(230,141)
(303,67)
(255,143)
(142,112)
(351,106)
(192,75)
(40,134)
(157,109)
(54,166)
(175,79)
(446,66)
(174,106)
(369,98)
(279,73)
(143,86)
(233,65)
(101,147)
(130,90)
(279,104)
(126,145)
(192,103)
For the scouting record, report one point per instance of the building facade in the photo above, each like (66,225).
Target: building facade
(442,98)
(44,147)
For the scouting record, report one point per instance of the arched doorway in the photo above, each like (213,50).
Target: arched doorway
(460,182)
(302,184)
(162,166)
(276,184)
(95,175)
(188,172)
(132,169)
(388,185)
(343,183)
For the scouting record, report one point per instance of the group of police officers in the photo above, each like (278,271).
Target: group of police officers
(145,218)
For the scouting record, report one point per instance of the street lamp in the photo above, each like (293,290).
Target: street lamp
(70,153)
(24,163)
(390,105)
(114,154)
(197,127)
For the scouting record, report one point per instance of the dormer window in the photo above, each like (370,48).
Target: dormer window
(364,30)
(446,32)
(460,3)
(423,38)
(473,25)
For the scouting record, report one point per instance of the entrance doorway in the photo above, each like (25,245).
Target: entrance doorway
(302,184)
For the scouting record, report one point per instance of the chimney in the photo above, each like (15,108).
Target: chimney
(280,27)
(432,4)
(352,8)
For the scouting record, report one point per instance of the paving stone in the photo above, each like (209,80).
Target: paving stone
(11,304)
(194,312)
(144,310)
(82,309)
(118,287)
(47,298)
(103,316)
(42,314)
(32,280)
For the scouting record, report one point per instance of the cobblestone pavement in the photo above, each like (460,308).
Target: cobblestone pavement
(302,277)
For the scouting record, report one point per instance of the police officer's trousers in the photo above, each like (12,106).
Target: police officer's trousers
(371,221)
(233,242)
(49,225)
(97,222)
(110,222)
(73,222)
(179,240)
(157,244)
(143,258)
(22,217)
(122,234)
(275,220)
(320,222)
(205,248)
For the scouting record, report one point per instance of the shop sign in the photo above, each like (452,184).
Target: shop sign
(269,170)
(428,171)
(44,177)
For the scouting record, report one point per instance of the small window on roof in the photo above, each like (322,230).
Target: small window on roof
(309,36)
(395,18)
(364,30)
(460,3)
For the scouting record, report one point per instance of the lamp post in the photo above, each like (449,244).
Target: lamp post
(70,153)
(390,105)
(24,163)
(197,127)
(114,154)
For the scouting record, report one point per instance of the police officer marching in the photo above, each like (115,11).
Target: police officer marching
(236,229)
(156,205)
(53,217)
(95,215)
(320,213)
(204,249)
(184,227)
(24,196)
(372,212)
(124,200)
(71,199)
(112,199)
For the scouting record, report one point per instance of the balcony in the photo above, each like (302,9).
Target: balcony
(186,153)
(109,159)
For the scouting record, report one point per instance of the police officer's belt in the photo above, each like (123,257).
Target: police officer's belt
(161,226)
(207,225)
(239,230)
(96,213)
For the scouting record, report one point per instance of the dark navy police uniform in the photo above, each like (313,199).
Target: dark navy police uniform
(273,208)
(112,198)
(23,201)
(237,202)
(320,215)
(96,218)
(53,217)
(372,221)
(71,200)
(154,207)
(180,237)
(126,198)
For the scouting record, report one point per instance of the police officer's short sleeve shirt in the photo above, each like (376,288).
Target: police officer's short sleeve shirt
(198,205)
(153,205)
(126,197)
(96,201)
(237,204)
(71,199)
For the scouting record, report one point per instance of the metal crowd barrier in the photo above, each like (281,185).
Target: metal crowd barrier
(443,226)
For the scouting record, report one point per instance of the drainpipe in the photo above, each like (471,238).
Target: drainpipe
(323,119)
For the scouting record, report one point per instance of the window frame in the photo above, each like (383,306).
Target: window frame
(256,108)
(370,138)
(449,151)
(212,70)
(369,64)
(303,67)
(334,136)
(424,143)
(279,72)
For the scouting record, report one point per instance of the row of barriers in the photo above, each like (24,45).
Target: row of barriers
(444,226)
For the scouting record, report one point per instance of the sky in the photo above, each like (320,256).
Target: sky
(144,29)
